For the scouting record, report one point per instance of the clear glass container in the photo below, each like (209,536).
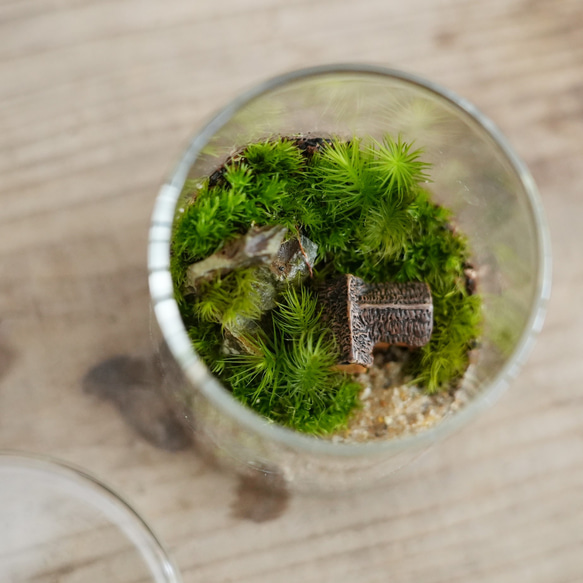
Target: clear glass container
(57,523)
(474,172)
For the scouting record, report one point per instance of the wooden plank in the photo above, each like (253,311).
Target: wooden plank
(96,103)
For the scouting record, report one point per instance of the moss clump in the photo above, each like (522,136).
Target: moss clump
(289,375)
(366,207)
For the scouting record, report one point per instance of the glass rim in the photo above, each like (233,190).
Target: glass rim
(174,331)
(73,473)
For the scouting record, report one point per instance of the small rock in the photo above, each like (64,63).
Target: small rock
(258,245)
(380,429)
(294,260)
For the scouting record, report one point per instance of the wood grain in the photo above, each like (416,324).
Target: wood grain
(96,102)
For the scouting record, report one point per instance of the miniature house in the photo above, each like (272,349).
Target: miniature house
(362,315)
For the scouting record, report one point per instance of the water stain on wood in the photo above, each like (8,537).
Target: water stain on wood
(261,497)
(133,385)
(445,39)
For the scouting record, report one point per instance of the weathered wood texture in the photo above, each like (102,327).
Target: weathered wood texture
(97,99)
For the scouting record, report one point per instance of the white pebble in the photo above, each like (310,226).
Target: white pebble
(365,393)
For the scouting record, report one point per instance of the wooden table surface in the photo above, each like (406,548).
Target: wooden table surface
(97,99)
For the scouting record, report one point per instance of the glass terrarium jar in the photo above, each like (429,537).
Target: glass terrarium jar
(474,173)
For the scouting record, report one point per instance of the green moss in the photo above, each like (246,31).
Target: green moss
(289,377)
(366,207)
(224,300)
(274,157)
(457,321)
